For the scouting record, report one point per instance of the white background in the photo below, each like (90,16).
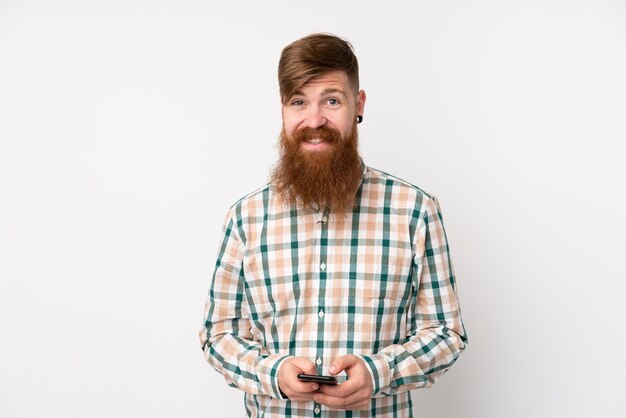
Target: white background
(127,129)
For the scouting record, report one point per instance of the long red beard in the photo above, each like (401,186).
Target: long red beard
(326,178)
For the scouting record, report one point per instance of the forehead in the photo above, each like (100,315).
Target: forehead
(332,81)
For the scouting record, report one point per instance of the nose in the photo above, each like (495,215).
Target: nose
(315,118)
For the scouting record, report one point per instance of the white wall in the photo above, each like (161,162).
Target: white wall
(127,128)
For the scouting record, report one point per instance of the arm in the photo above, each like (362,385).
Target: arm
(226,336)
(435,334)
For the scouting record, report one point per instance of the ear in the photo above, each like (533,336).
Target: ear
(360,102)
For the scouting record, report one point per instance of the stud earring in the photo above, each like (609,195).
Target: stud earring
(359,118)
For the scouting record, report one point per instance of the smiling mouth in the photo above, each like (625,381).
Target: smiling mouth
(314,141)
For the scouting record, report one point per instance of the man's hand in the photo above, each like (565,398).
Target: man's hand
(354,393)
(288,381)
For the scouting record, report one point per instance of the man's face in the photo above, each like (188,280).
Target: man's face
(326,101)
(319,159)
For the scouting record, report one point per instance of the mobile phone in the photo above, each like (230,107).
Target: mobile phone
(316,378)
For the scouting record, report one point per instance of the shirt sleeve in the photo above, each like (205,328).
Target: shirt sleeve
(435,332)
(225,337)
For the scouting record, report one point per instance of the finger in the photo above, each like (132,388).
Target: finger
(304,365)
(294,384)
(304,387)
(300,397)
(360,405)
(356,399)
(342,363)
(288,378)
(343,390)
(296,392)
(330,401)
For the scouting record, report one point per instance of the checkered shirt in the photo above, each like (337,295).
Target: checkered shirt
(377,283)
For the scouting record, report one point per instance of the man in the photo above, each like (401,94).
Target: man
(332,268)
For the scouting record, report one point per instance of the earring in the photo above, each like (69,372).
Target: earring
(359,118)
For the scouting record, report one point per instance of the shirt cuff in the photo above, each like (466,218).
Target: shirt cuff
(267,373)
(380,371)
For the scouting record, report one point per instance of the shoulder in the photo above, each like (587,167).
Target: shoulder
(401,197)
(396,186)
(254,197)
(247,210)
(251,203)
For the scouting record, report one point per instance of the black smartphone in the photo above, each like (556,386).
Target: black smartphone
(315,378)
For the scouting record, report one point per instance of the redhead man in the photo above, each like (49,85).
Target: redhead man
(333,268)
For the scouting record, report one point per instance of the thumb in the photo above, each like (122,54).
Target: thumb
(304,365)
(342,363)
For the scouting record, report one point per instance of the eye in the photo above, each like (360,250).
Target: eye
(297,102)
(333,102)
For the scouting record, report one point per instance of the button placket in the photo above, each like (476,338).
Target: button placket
(323,267)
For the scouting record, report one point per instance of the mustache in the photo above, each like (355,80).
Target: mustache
(325,133)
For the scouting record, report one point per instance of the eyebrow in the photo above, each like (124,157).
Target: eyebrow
(333,91)
(325,92)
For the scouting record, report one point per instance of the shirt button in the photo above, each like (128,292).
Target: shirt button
(318,361)
(317,410)
(323,266)
(321,314)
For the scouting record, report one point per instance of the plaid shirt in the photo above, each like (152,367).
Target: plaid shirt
(377,283)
